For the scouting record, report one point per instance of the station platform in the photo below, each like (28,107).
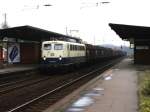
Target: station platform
(18,68)
(116,90)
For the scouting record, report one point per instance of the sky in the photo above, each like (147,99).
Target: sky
(83,18)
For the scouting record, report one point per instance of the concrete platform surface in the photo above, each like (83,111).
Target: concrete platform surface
(115,92)
(120,91)
(18,68)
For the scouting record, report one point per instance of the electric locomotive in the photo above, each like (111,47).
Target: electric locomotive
(62,53)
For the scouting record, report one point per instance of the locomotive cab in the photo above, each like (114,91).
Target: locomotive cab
(53,52)
(60,53)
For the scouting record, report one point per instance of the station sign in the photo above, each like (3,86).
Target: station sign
(13,52)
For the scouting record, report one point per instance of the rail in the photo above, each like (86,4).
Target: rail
(60,87)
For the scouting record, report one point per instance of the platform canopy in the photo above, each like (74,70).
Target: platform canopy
(139,37)
(130,31)
(33,34)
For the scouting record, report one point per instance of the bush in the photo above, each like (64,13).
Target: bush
(145,104)
(146,87)
(144,92)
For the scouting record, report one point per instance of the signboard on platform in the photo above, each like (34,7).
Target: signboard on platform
(13,52)
(9,39)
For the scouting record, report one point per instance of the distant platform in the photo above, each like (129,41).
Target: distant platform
(18,68)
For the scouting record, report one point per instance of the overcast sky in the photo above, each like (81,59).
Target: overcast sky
(90,19)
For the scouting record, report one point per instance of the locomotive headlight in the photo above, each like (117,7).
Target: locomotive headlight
(44,58)
(60,58)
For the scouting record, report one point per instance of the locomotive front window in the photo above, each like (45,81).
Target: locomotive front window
(58,46)
(47,47)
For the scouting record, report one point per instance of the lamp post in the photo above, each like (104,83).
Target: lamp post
(38,6)
(5,24)
(98,3)
(94,4)
(47,5)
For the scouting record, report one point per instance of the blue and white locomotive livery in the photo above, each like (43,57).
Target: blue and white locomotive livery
(61,53)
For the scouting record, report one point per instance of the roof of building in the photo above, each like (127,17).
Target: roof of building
(130,31)
(32,33)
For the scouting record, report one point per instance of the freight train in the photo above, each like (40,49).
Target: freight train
(63,53)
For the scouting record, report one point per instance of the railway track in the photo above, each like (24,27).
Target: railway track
(10,74)
(18,76)
(8,96)
(48,98)
(9,87)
